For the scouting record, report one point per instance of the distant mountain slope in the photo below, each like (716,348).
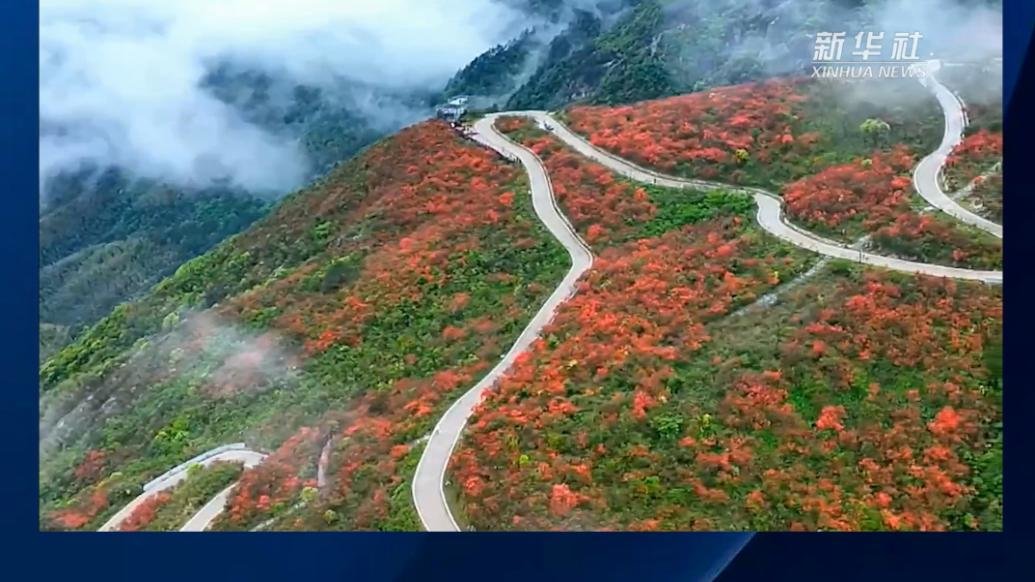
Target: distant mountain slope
(621,52)
(106,236)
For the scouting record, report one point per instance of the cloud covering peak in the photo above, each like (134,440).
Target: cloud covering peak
(121,81)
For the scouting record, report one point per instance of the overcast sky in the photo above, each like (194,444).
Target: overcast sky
(121,77)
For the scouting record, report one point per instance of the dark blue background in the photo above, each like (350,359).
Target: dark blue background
(638,557)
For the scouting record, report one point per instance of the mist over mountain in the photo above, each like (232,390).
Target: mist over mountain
(123,82)
(250,234)
(141,85)
(620,52)
(166,127)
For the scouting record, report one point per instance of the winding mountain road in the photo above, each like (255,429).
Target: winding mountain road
(428,493)
(927,172)
(234,453)
(429,479)
(770,209)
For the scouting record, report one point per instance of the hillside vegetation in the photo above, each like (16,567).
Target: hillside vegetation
(643,49)
(355,311)
(704,376)
(107,236)
(813,142)
(861,401)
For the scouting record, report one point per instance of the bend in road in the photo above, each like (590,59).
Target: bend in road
(927,172)
(427,487)
(770,210)
(209,512)
(232,453)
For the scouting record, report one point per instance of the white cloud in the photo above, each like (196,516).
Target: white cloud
(119,79)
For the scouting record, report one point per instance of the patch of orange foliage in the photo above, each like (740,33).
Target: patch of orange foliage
(643,306)
(700,133)
(144,513)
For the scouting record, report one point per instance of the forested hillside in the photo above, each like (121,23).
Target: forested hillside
(621,52)
(106,236)
(861,400)
(720,362)
(356,311)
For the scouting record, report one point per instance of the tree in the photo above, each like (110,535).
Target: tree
(876,130)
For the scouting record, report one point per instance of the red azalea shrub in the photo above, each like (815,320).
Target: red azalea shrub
(91,468)
(987,196)
(869,193)
(379,431)
(972,157)
(87,506)
(437,208)
(145,513)
(602,209)
(874,196)
(278,479)
(700,134)
(430,195)
(893,469)
(876,430)
(970,163)
(939,239)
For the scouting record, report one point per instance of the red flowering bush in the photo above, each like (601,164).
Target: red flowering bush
(864,194)
(449,266)
(712,134)
(941,240)
(765,134)
(972,162)
(986,197)
(91,468)
(270,485)
(873,196)
(783,133)
(86,507)
(972,157)
(145,513)
(602,208)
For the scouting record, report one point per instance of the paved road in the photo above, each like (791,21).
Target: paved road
(236,453)
(770,210)
(209,512)
(927,172)
(428,493)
